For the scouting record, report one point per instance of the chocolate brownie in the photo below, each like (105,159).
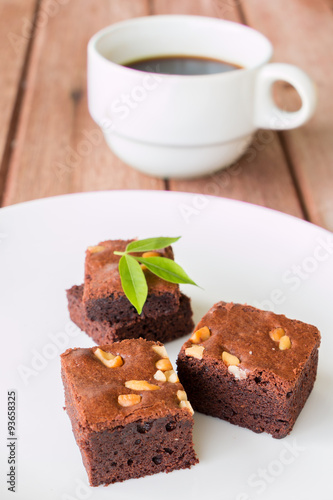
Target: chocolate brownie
(165,328)
(103,295)
(129,413)
(252,368)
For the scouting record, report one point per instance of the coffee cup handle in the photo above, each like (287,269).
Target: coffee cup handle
(266,113)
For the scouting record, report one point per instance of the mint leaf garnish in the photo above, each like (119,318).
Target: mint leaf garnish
(150,244)
(167,269)
(133,279)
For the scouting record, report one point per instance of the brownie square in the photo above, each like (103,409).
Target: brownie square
(164,328)
(252,368)
(103,296)
(129,413)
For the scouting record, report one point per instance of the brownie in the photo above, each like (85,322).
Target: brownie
(165,328)
(252,368)
(129,413)
(103,296)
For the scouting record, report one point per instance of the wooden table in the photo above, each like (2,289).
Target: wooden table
(47,141)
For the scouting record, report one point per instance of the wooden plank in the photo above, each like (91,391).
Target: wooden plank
(261,176)
(224,9)
(302,33)
(16,26)
(60,149)
(329,3)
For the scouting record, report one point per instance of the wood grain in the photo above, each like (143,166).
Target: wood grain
(302,34)
(262,175)
(329,3)
(224,9)
(16,27)
(60,149)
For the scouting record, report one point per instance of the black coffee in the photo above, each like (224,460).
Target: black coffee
(182,65)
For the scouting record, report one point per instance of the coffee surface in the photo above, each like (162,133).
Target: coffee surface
(182,65)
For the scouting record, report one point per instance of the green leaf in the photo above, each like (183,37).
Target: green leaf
(150,244)
(133,281)
(166,269)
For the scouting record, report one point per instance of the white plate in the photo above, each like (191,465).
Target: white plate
(236,252)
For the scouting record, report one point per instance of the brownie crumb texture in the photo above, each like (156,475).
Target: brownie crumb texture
(130,415)
(100,308)
(103,296)
(165,328)
(253,368)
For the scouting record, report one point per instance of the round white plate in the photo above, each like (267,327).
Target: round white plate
(235,252)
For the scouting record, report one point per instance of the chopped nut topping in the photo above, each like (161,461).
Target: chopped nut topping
(160,350)
(149,254)
(103,355)
(284,343)
(171,376)
(129,399)
(237,372)
(181,395)
(117,361)
(200,335)
(196,351)
(164,364)
(108,359)
(229,359)
(166,376)
(96,249)
(141,385)
(159,375)
(187,405)
(276,334)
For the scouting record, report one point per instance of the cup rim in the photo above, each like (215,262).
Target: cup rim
(104,32)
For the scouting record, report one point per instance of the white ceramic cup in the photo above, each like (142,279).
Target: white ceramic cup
(181,125)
